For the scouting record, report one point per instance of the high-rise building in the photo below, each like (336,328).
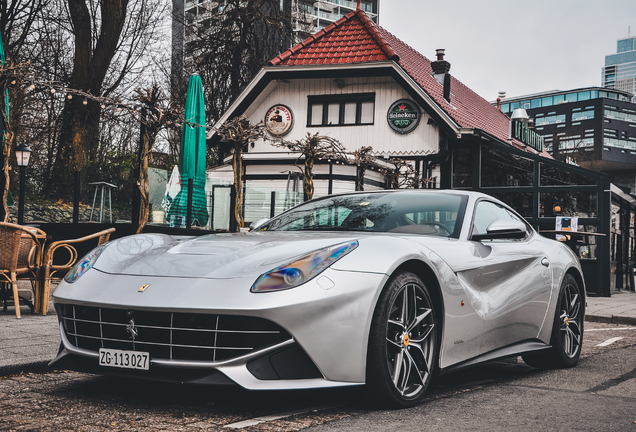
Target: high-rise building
(311,16)
(308,17)
(620,69)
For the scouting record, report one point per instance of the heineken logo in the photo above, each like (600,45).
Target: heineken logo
(403,116)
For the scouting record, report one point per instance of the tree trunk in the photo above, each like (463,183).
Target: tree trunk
(308,181)
(237,162)
(360,178)
(80,123)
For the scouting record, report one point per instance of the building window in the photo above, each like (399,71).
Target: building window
(583,115)
(341,110)
(554,119)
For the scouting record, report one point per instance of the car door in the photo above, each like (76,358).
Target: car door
(514,282)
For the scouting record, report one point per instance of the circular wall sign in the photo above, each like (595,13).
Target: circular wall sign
(279,120)
(403,116)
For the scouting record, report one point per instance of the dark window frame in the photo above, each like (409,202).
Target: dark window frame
(341,100)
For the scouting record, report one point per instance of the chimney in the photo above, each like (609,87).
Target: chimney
(440,71)
(500,96)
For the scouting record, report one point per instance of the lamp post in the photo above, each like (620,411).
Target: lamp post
(22,155)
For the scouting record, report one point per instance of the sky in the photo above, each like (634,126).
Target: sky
(517,46)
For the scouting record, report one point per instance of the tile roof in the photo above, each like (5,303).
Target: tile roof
(354,38)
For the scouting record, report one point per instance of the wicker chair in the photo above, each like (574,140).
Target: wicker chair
(20,256)
(52,271)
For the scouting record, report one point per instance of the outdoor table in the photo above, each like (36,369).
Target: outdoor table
(572,237)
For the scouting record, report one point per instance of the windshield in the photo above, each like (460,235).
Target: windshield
(410,212)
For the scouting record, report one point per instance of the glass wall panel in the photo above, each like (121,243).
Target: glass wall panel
(584,95)
(571,97)
(546,101)
(558,99)
(521,202)
(505,108)
(571,204)
(553,176)
(462,167)
(499,169)
(535,103)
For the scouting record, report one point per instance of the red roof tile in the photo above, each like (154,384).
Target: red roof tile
(354,38)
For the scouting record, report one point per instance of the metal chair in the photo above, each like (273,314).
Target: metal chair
(52,271)
(20,257)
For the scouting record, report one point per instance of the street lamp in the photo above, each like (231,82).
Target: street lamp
(22,155)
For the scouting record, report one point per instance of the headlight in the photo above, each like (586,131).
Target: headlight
(303,269)
(84,264)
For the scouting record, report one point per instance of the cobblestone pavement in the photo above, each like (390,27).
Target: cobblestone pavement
(48,400)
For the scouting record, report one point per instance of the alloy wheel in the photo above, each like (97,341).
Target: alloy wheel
(410,340)
(571,318)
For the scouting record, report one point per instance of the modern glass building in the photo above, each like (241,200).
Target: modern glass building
(594,128)
(620,69)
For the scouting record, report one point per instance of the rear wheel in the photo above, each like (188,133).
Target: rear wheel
(403,343)
(567,330)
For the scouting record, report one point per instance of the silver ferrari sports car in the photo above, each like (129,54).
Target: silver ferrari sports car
(376,289)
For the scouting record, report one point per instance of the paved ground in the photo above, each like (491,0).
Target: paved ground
(599,394)
(507,395)
(620,308)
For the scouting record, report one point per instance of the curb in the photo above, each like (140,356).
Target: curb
(611,319)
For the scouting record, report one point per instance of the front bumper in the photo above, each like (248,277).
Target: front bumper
(328,319)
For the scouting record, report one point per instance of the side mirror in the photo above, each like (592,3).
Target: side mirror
(254,225)
(503,229)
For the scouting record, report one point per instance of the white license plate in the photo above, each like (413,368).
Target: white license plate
(124,359)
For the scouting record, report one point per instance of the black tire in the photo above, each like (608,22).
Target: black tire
(403,343)
(567,330)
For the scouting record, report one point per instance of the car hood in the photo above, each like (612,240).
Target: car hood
(217,256)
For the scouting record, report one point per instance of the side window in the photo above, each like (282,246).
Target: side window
(486,213)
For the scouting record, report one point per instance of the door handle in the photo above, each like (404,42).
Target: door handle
(545,262)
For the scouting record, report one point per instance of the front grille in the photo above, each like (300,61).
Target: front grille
(169,335)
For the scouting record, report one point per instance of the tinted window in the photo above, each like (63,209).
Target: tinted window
(486,213)
(397,212)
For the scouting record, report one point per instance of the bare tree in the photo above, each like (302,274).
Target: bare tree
(240,132)
(157,113)
(110,37)
(229,45)
(404,175)
(313,148)
(363,159)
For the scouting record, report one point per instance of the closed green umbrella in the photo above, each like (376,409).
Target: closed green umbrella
(192,158)
(5,117)
(6,91)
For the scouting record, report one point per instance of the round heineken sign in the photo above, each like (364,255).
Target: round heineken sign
(403,116)
(279,120)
